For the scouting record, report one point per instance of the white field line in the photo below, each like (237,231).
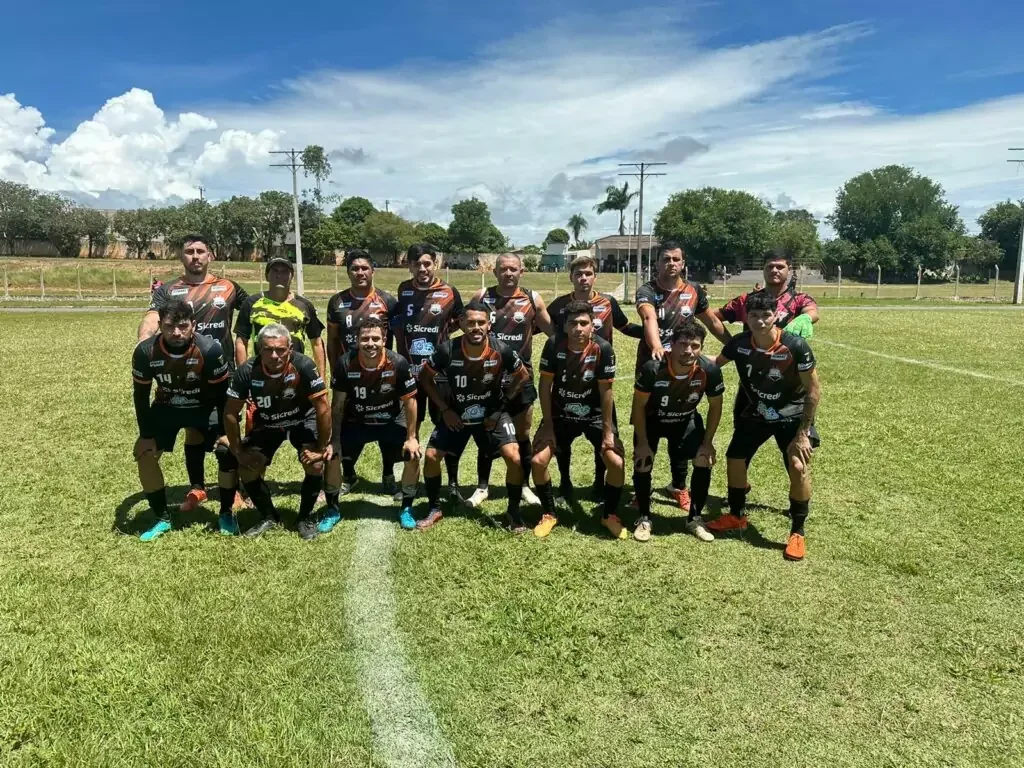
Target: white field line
(405,731)
(923,363)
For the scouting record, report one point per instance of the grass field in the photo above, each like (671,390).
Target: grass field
(899,642)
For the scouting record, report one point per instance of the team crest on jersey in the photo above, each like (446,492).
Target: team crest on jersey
(219,302)
(775,374)
(385,388)
(598,323)
(488,378)
(519,317)
(693,398)
(435,309)
(588,375)
(288,393)
(686,311)
(191,376)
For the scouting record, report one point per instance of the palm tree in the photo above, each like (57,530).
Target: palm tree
(617,200)
(577,224)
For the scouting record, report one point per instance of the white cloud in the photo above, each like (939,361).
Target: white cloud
(840,110)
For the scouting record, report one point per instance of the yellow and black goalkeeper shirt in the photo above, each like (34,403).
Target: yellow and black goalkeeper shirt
(297,314)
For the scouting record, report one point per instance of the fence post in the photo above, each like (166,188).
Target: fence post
(919,271)
(556,283)
(447,274)
(956,285)
(725,286)
(335,276)
(995,292)
(482,286)
(42,285)
(7,288)
(78,279)
(114,281)
(839,285)
(259,274)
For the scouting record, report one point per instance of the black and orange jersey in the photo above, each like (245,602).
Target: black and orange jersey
(185,378)
(296,313)
(346,312)
(422,319)
(771,377)
(373,395)
(214,302)
(671,308)
(513,319)
(675,395)
(477,385)
(575,395)
(608,314)
(282,400)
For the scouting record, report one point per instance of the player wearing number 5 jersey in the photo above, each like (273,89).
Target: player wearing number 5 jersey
(347,309)
(483,376)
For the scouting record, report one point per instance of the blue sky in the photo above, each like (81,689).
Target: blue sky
(425,103)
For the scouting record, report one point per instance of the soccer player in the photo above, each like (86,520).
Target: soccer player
(577,370)
(278,305)
(515,313)
(663,304)
(347,309)
(790,303)
(191,378)
(374,402)
(427,310)
(608,316)
(214,301)
(777,372)
(483,376)
(665,402)
(291,403)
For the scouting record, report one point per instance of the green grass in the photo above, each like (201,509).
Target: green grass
(899,642)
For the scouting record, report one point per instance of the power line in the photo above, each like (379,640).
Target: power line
(295,164)
(643,175)
(1018,285)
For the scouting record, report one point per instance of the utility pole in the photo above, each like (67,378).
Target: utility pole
(295,164)
(1018,284)
(387,206)
(642,174)
(202,189)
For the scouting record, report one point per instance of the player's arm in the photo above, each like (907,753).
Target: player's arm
(728,353)
(457,310)
(546,432)
(605,382)
(730,313)
(337,415)
(715,325)
(317,346)
(334,335)
(518,376)
(218,378)
(141,386)
(801,446)
(150,324)
(621,323)
(642,450)
(243,330)
(542,318)
(649,318)
(407,393)
(322,408)
(315,332)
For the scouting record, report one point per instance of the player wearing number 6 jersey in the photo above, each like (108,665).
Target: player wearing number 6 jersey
(483,376)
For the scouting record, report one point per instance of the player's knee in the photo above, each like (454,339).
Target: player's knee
(510,453)
(314,468)
(434,456)
(226,461)
(612,460)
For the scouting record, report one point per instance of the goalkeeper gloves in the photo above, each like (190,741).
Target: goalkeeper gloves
(801,325)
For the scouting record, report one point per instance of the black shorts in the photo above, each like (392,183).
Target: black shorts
(389,437)
(751,434)
(567,431)
(525,398)
(487,440)
(683,439)
(168,421)
(267,440)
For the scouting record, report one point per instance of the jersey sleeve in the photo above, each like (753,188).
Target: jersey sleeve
(645,378)
(547,358)
(140,365)
(406,381)
(333,317)
(314,328)
(457,307)
(441,359)
(619,319)
(158,298)
(645,295)
(805,303)
(315,385)
(729,349)
(733,311)
(715,384)
(801,351)
(243,323)
(702,301)
(241,383)
(216,367)
(606,368)
(390,302)
(241,295)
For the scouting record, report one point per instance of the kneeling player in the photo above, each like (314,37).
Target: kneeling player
(665,406)
(776,370)
(191,378)
(576,375)
(475,366)
(291,404)
(374,402)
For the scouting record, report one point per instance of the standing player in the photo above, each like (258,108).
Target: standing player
(483,376)
(577,370)
(664,303)
(777,372)
(347,309)
(665,402)
(278,305)
(191,378)
(214,301)
(291,404)
(374,402)
(514,315)
(427,310)
(608,317)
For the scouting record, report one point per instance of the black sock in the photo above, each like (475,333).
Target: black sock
(158,503)
(642,486)
(332,498)
(564,458)
(408,495)
(546,496)
(737,501)
(433,486)
(798,511)
(227,500)
(526,459)
(451,463)
(483,469)
(259,495)
(679,475)
(311,485)
(598,472)
(515,496)
(195,465)
(699,490)
(612,496)
(388,478)
(348,470)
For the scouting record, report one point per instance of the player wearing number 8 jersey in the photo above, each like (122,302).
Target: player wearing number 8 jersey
(347,309)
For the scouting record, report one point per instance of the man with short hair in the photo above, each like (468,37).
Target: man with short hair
(191,377)
(427,310)
(608,317)
(663,304)
(214,301)
(291,404)
(374,402)
(515,313)
(665,401)
(483,376)
(278,305)
(779,283)
(577,370)
(347,309)
(777,371)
